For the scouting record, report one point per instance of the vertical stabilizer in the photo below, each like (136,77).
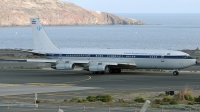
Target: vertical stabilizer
(40,37)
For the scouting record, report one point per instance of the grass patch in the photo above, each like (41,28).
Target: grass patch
(82,100)
(121,101)
(173,102)
(197,99)
(154,105)
(91,98)
(74,100)
(104,98)
(37,101)
(158,101)
(166,99)
(139,100)
(165,103)
(185,94)
(161,95)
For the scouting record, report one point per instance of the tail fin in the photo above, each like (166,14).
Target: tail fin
(40,37)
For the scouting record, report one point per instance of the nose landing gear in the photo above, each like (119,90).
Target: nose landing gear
(175,73)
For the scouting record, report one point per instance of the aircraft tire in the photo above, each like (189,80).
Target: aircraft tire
(114,70)
(111,70)
(102,72)
(175,73)
(94,72)
(119,71)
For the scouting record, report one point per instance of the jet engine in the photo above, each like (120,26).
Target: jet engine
(66,66)
(98,68)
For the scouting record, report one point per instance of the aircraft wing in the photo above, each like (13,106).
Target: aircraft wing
(131,64)
(118,63)
(82,62)
(32,51)
(31,60)
(42,60)
(75,61)
(55,60)
(122,65)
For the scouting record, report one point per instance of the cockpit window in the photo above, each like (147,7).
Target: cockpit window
(188,57)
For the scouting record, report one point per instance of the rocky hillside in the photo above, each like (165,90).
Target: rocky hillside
(55,12)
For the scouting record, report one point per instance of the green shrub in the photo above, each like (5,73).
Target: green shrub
(91,98)
(165,103)
(139,100)
(190,103)
(37,101)
(197,99)
(189,97)
(161,94)
(173,102)
(185,94)
(121,101)
(65,100)
(104,98)
(158,101)
(186,97)
(82,101)
(154,106)
(74,100)
(166,99)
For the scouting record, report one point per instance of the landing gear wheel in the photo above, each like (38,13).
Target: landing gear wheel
(175,73)
(111,70)
(98,72)
(95,72)
(115,70)
(102,72)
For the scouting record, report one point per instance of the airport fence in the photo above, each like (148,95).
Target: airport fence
(51,108)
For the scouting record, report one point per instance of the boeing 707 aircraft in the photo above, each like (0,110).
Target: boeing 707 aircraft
(98,61)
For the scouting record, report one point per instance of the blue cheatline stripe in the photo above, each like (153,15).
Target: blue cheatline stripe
(116,56)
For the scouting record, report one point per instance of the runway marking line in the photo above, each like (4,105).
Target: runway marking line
(48,84)
(9,85)
(89,77)
(11,96)
(45,84)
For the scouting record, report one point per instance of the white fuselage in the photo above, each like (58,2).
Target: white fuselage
(144,59)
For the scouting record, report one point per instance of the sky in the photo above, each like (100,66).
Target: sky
(140,6)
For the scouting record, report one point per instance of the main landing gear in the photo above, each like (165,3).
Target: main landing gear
(111,70)
(175,73)
(99,72)
(115,70)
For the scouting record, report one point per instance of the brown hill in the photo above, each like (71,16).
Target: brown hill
(54,12)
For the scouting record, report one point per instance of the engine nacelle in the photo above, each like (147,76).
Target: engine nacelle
(98,68)
(66,66)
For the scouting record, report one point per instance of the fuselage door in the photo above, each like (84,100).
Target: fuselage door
(113,56)
(88,56)
(162,58)
(60,56)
